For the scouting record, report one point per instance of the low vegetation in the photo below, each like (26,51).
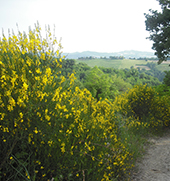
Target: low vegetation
(71,126)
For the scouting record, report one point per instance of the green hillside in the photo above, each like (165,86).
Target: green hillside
(122,64)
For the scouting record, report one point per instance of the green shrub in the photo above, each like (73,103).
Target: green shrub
(145,105)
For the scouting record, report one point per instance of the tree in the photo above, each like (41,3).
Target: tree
(67,67)
(119,84)
(81,70)
(166,79)
(158,24)
(98,83)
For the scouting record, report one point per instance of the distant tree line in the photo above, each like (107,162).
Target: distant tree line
(119,58)
(150,58)
(116,57)
(110,57)
(87,58)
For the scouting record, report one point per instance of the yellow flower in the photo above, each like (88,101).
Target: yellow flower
(35,131)
(43,175)
(43,56)
(25,86)
(21,115)
(38,71)
(42,142)
(63,147)
(47,117)
(8,93)
(49,123)
(50,143)
(29,139)
(48,71)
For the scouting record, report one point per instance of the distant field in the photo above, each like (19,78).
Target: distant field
(164,66)
(122,64)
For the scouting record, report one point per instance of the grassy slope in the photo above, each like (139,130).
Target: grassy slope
(118,64)
(164,66)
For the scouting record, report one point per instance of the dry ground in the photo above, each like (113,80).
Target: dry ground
(155,165)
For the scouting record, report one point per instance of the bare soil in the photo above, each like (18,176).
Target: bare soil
(155,164)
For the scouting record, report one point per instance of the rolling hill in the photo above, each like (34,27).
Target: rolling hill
(126,54)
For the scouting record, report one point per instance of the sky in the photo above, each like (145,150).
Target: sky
(84,25)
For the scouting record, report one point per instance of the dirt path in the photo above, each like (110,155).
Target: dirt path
(155,165)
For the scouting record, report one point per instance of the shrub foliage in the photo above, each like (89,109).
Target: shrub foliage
(144,104)
(49,127)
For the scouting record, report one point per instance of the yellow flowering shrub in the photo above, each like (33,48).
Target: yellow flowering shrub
(49,127)
(145,106)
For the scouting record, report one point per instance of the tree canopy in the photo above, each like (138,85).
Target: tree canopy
(158,24)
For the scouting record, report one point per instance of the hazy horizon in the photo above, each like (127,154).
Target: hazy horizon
(110,52)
